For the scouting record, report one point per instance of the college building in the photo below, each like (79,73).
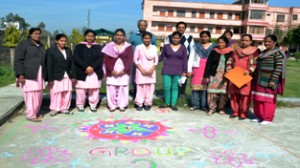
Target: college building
(255,17)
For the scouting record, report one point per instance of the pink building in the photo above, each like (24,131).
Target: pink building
(243,16)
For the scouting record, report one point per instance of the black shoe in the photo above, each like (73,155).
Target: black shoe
(232,116)
(242,118)
(147,108)
(163,106)
(174,108)
(138,108)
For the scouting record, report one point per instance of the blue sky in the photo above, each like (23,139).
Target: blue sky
(110,14)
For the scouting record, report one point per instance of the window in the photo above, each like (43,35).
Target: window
(236,30)
(170,13)
(169,27)
(200,29)
(259,1)
(280,18)
(219,30)
(269,14)
(220,15)
(229,15)
(295,17)
(161,27)
(212,15)
(180,13)
(194,13)
(257,14)
(237,16)
(210,29)
(202,14)
(256,30)
(192,29)
(162,12)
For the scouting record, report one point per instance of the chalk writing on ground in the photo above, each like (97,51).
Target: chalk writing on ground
(210,132)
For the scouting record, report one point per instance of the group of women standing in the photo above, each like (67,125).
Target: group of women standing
(206,66)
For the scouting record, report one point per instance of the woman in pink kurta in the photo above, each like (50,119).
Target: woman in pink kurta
(243,57)
(145,58)
(30,70)
(59,75)
(118,60)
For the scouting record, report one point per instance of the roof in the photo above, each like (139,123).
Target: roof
(103,32)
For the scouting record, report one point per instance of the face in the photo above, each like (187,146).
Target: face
(204,38)
(176,39)
(36,35)
(147,40)
(246,42)
(89,37)
(119,37)
(228,36)
(269,43)
(142,26)
(181,28)
(61,43)
(221,44)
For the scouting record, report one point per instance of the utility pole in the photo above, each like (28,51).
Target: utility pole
(88,19)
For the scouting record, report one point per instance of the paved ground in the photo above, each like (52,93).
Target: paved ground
(154,139)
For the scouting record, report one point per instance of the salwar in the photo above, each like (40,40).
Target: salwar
(199,99)
(117,96)
(60,101)
(240,104)
(93,96)
(216,101)
(264,110)
(171,89)
(33,102)
(144,94)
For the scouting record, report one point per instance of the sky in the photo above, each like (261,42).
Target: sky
(64,15)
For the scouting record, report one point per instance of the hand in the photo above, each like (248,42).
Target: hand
(21,80)
(228,69)
(89,70)
(145,73)
(271,84)
(246,72)
(189,74)
(114,73)
(183,74)
(121,73)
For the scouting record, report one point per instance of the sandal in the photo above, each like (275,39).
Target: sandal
(210,112)
(112,110)
(122,109)
(67,112)
(221,112)
(53,113)
(34,119)
(192,109)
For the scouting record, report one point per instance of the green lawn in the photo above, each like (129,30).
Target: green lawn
(6,75)
(292,88)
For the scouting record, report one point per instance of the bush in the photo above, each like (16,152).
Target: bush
(6,75)
(297,56)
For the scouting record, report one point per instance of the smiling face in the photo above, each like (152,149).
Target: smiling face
(204,38)
(221,44)
(35,36)
(228,36)
(89,37)
(269,43)
(119,37)
(181,28)
(62,42)
(176,39)
(147,40)
(142,26)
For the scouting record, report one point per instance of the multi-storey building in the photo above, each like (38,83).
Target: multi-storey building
(243,16)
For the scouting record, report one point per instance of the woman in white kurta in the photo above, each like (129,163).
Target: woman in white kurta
(145,58)
(118,60)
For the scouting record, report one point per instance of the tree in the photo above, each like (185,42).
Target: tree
(292,38)
(14,18)
(75,37)
(12,36)
(279,33)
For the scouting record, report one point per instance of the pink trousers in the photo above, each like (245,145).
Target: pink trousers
(264,110)
(144,94)
(60,101)
(93,94)
(117,96)
(33,102)
(240,104)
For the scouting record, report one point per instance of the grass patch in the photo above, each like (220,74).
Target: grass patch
(6,75)
(292,88)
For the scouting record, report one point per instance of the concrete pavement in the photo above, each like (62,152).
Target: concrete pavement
(159,138)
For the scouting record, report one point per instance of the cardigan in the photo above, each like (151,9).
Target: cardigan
(84,57)
(126,57)
(28,58)
(57,65)
(213,63)
(175,62)
(270,67)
